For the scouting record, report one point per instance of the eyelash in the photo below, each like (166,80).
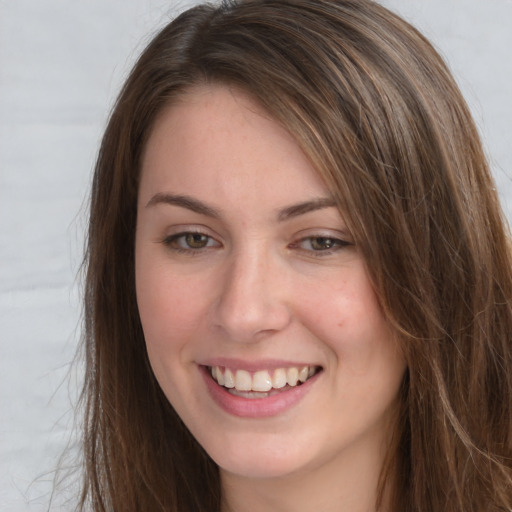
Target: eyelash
(334,244)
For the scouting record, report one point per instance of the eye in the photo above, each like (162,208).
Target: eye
(190,242)
(323,245)
(195,240)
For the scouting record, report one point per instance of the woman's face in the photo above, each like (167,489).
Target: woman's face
(245,269)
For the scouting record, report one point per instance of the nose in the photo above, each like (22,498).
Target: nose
(252,297)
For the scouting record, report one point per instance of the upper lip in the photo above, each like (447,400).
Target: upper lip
(254,365)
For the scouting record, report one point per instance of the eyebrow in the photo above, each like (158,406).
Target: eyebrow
(201,208)
(184,202)
(307,206)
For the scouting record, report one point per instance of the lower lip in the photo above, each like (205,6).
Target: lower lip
(256,407)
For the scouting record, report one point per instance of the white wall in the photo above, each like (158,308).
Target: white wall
(61,64)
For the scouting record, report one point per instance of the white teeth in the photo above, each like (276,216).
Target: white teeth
(303,374)
(243,380)
(219,377)
(279,378)
(262,380)
(229,378)
(292,376)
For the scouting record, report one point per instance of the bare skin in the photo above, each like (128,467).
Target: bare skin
(245,265)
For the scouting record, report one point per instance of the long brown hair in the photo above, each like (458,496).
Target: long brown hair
(377,112)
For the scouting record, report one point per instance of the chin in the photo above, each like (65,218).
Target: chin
(259,459)
(263,468)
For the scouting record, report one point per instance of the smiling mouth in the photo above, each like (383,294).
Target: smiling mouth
(262,383)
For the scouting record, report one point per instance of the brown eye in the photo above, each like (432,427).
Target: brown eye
(190,242)
(196,240)
(322,243)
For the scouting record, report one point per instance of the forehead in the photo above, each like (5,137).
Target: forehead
(219,141)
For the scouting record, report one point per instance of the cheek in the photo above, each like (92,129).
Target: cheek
(347,317)
(168,315)
(172,307)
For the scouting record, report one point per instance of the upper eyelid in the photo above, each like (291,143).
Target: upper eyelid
(189,228)
(183,229)
(338,234)
(341,240)
(182,233)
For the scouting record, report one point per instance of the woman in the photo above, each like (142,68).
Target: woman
(298,275)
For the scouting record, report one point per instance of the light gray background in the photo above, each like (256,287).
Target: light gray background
(61,65)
